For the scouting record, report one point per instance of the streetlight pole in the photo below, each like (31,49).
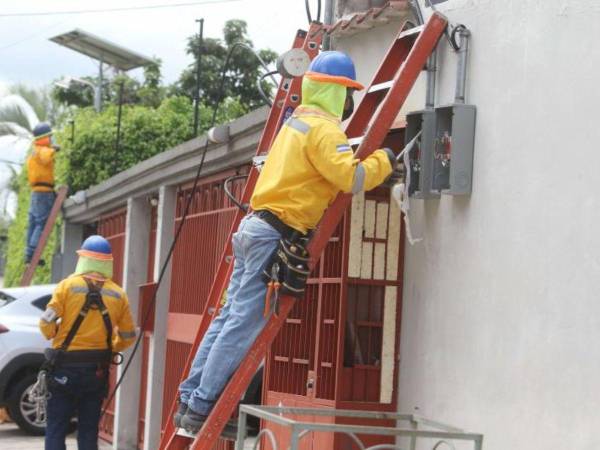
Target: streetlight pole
(98,91)
(197,93)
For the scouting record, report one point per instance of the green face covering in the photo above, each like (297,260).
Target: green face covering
(329,97)
(88,265)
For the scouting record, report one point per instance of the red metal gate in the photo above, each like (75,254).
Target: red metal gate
(194,265)
(112,227)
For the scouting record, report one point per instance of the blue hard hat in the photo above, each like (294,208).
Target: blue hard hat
(96,247)
(42,129)
(334,67)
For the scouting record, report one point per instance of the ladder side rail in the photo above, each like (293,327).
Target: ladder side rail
(37,255)
(395,98)
(402,85)
(288,95)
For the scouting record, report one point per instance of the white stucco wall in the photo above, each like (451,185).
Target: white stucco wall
(501,314)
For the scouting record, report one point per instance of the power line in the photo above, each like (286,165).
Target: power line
(130,8)
(32,36)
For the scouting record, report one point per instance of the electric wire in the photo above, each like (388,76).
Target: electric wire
(230,195)
(450,36)
(260,89)
(127,8)
(181,224)
(308,11)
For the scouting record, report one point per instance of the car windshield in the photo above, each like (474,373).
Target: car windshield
(5,299)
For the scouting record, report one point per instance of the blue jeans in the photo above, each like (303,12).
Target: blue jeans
(75,389)
(39,210)
(231,334)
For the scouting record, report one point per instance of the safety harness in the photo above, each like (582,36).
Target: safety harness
(39,393)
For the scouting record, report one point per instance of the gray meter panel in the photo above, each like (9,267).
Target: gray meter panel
(453,149)
(421,156)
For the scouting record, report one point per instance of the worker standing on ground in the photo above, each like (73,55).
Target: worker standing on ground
(309,163)
(88,318)
(40,172)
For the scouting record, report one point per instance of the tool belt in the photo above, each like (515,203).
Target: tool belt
(79,357)
(284,230)
(42,184)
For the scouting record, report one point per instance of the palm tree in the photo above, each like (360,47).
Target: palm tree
(21,109)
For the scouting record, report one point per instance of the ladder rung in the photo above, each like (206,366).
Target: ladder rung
(355,141)
(411,31)
(381,86)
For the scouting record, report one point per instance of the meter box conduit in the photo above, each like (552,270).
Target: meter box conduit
(442,160)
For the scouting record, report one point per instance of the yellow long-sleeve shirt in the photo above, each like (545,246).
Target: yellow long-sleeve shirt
(309,163)
(63,308)
(40,168)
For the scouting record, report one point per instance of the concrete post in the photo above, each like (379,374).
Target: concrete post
(72,236)
(158,340)
(137,235)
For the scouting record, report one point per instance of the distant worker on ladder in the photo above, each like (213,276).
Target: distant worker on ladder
(310,162)
(40,172)
(88,320)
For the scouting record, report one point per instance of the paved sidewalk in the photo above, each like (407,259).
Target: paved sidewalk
(12,438)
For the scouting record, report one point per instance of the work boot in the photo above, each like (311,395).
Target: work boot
(41,263)
(192,421)
(181,410)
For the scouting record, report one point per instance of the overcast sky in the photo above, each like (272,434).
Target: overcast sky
(27,56)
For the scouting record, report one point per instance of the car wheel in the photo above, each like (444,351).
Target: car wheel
(23,410)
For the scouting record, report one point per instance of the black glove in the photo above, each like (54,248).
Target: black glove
(392,157)
(56,147)
(397,173)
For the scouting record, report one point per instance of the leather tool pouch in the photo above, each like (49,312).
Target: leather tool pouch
(289,267)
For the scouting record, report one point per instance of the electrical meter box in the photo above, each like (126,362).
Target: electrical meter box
(453,149)
(421,155)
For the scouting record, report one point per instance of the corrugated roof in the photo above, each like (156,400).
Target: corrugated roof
(357,22)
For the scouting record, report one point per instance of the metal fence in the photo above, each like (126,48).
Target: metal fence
(416,429)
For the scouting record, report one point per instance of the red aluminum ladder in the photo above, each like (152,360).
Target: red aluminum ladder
(61,194)
(367,128)
(286,100)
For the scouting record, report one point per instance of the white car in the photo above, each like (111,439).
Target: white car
(22,352)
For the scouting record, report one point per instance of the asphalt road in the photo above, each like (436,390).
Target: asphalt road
(12,438)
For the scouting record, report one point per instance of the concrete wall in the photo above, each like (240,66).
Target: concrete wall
(501,314)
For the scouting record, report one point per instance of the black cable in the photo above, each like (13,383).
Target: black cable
(178,232)
(450,36)
(230,195)
(260,89)
(455,30)
(309,15)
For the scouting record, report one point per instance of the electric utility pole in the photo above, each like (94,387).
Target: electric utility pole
(197,96)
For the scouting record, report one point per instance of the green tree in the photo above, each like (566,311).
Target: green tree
(242,75)
(150,92)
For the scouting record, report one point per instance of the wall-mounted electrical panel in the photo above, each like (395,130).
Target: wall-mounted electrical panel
(441,162)
(421,156)
(453,149)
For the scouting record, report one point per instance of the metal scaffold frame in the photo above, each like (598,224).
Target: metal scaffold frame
(437,432)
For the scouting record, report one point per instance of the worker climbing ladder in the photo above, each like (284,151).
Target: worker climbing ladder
(61,194)
(366,129)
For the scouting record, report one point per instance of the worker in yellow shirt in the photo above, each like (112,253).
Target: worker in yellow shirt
(88,320)
(40,172)
(310,162)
